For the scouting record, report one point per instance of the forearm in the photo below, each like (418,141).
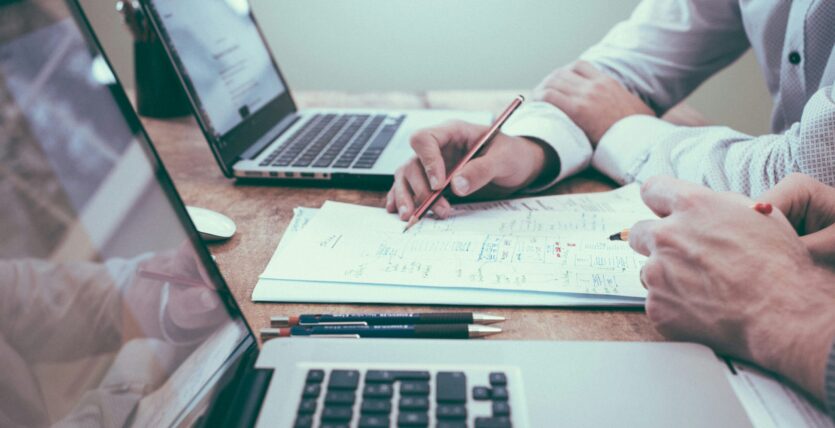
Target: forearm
(792,333)
(46,309)
(640,147)
(667,48)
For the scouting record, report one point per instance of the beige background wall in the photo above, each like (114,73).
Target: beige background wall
(364,45)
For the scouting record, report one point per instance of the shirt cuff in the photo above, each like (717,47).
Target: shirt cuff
(543,121)
(829,383)
(625,147)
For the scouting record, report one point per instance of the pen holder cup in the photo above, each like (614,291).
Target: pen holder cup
(159,93)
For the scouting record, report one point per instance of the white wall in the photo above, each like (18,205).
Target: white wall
(365,45)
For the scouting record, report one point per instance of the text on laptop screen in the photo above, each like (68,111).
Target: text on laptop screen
(109,315)
(226,62)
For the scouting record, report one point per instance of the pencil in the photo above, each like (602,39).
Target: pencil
(483,141)
(760,207)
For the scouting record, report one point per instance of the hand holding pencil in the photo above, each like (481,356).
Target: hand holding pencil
(504,166)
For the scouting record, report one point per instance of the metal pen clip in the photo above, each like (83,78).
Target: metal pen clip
(345,323)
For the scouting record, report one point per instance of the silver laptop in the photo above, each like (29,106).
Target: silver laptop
(114,313)
(249,118)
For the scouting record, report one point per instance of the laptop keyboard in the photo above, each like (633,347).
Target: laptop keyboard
(337,141)
(402,398)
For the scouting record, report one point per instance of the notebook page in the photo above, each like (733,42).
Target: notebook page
(550,244)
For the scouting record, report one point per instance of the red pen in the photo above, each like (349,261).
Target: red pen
(485,139)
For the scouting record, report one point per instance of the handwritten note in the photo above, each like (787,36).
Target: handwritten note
(550,244)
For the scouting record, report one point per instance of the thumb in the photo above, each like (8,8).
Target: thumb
(821,245)
(475,175)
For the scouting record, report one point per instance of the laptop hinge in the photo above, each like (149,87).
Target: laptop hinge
(254,150)
(239,402)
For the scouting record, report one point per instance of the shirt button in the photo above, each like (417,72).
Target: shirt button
(794,57)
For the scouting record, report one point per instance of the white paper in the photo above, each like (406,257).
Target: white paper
(773,404)
(551,244)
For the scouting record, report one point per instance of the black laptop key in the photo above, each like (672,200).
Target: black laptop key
(500,393)
(498,379)
(307,407)
(375,406)
(380,390)
(414,388)
(384,136)
(376,376)
(315,376)
(334,425)
(311,391)
(501,408)
(344,379)
(304,421)
(374,421)
(481,393)
(451,411)
(412,419)
(495,422)
(339,398)
(413,403)
(337,414)
(451,387)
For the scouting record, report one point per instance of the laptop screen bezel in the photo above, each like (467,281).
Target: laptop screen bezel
(229,147)
(248,344)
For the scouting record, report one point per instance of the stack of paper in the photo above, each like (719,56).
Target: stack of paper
(542,251)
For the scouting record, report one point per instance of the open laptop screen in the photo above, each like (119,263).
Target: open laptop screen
(111,314)
(222,53)
(234,85)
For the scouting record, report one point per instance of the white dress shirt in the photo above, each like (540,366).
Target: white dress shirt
(664,51)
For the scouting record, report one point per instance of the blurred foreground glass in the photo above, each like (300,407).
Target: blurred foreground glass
(107,315)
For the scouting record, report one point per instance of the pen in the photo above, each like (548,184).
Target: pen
(483,141)
(386,319)
(760,207)
(419,331)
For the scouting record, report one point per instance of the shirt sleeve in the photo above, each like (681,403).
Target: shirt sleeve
(545,122)
(667,48)
(638,147)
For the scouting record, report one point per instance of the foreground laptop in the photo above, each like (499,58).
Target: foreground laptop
(249,118)
(112,312)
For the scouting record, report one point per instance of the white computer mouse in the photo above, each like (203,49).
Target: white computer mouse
(212,226)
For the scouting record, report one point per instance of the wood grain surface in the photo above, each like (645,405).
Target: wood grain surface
(262,213)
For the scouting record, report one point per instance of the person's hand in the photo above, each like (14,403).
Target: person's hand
(737,280)
(591,99)
(191,306)
(506,165)
(810,207)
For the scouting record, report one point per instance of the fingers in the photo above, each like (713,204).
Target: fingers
(477,173)
(390,205)
(641,236)
(663,195)
(410,189)
(821,245)
(419,185)
(428,145)
(586,69)
(403,199)
(791,196)
(808,204)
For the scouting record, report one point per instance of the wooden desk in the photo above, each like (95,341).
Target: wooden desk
(263,212)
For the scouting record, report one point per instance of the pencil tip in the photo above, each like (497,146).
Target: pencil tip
(615,237)
(411,223)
